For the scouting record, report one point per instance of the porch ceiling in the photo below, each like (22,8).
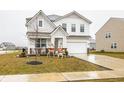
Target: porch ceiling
(38,35)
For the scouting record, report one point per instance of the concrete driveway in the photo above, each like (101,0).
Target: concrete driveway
(106,61)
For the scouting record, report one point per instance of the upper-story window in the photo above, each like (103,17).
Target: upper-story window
(81,27)
(64,25)
(73,27)
(114,45)
(108,35)
(40,23)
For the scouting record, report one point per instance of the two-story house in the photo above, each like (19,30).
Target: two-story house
(70,31)
(110,36)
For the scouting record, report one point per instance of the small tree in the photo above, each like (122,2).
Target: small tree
(35,62)
(36,38)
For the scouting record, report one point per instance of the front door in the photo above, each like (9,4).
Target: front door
(58,43)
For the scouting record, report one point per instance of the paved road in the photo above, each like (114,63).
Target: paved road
(6,52)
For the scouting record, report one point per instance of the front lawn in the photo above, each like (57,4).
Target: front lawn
(112,54)
(9,64)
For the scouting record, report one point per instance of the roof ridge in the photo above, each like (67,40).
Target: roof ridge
(116,17)
(81,16)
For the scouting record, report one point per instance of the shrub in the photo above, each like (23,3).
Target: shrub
(102,51)
(23,54)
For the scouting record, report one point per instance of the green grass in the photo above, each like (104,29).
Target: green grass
(112,54)
(9,64)
(104,80)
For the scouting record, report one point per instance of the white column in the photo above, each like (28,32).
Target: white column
(64,42)
(28,46)
(52,40)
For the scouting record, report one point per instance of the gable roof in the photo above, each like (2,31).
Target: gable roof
(53,17)
(49,33)
(74,12)
(113,20)
(56,29)
(7,44)
(28,20)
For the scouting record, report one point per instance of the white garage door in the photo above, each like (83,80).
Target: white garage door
(77,47)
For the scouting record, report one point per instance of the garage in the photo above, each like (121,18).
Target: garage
(74,47)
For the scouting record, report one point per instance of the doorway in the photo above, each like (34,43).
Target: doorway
(58,43)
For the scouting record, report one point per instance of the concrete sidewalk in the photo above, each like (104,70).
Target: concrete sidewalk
(58,77)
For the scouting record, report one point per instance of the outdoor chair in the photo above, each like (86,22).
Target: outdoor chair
(60,52)
(43,50)
(50,51)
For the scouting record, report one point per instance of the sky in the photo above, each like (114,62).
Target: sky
(12,22)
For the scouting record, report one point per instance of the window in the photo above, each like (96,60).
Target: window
(43,43)
(39,43)
(73,27)
(114,45)
(81,27)
(108,35)
(64,26)
(40,23)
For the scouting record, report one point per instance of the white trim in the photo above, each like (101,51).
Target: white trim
(42,23)
(63,31)
(45,16)
(113,44)
(73,12)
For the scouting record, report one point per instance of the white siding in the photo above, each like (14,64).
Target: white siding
(78,39)
(74,44)
(47,27)
(31,44)
(74,19)
(59,34)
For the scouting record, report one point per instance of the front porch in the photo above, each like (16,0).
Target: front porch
(41,46)
(40,42)
(42,51)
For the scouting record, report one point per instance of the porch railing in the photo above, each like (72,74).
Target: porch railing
(40,51)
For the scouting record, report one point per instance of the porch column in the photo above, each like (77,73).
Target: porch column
(28,46)
(31,44)
(64,42)
(52,40)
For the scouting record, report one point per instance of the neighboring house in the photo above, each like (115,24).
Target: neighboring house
(70,31)
(1,48)
(7,46)
(111,36)
(92,44)
(21,47)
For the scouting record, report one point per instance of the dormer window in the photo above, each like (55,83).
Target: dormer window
(40,23)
